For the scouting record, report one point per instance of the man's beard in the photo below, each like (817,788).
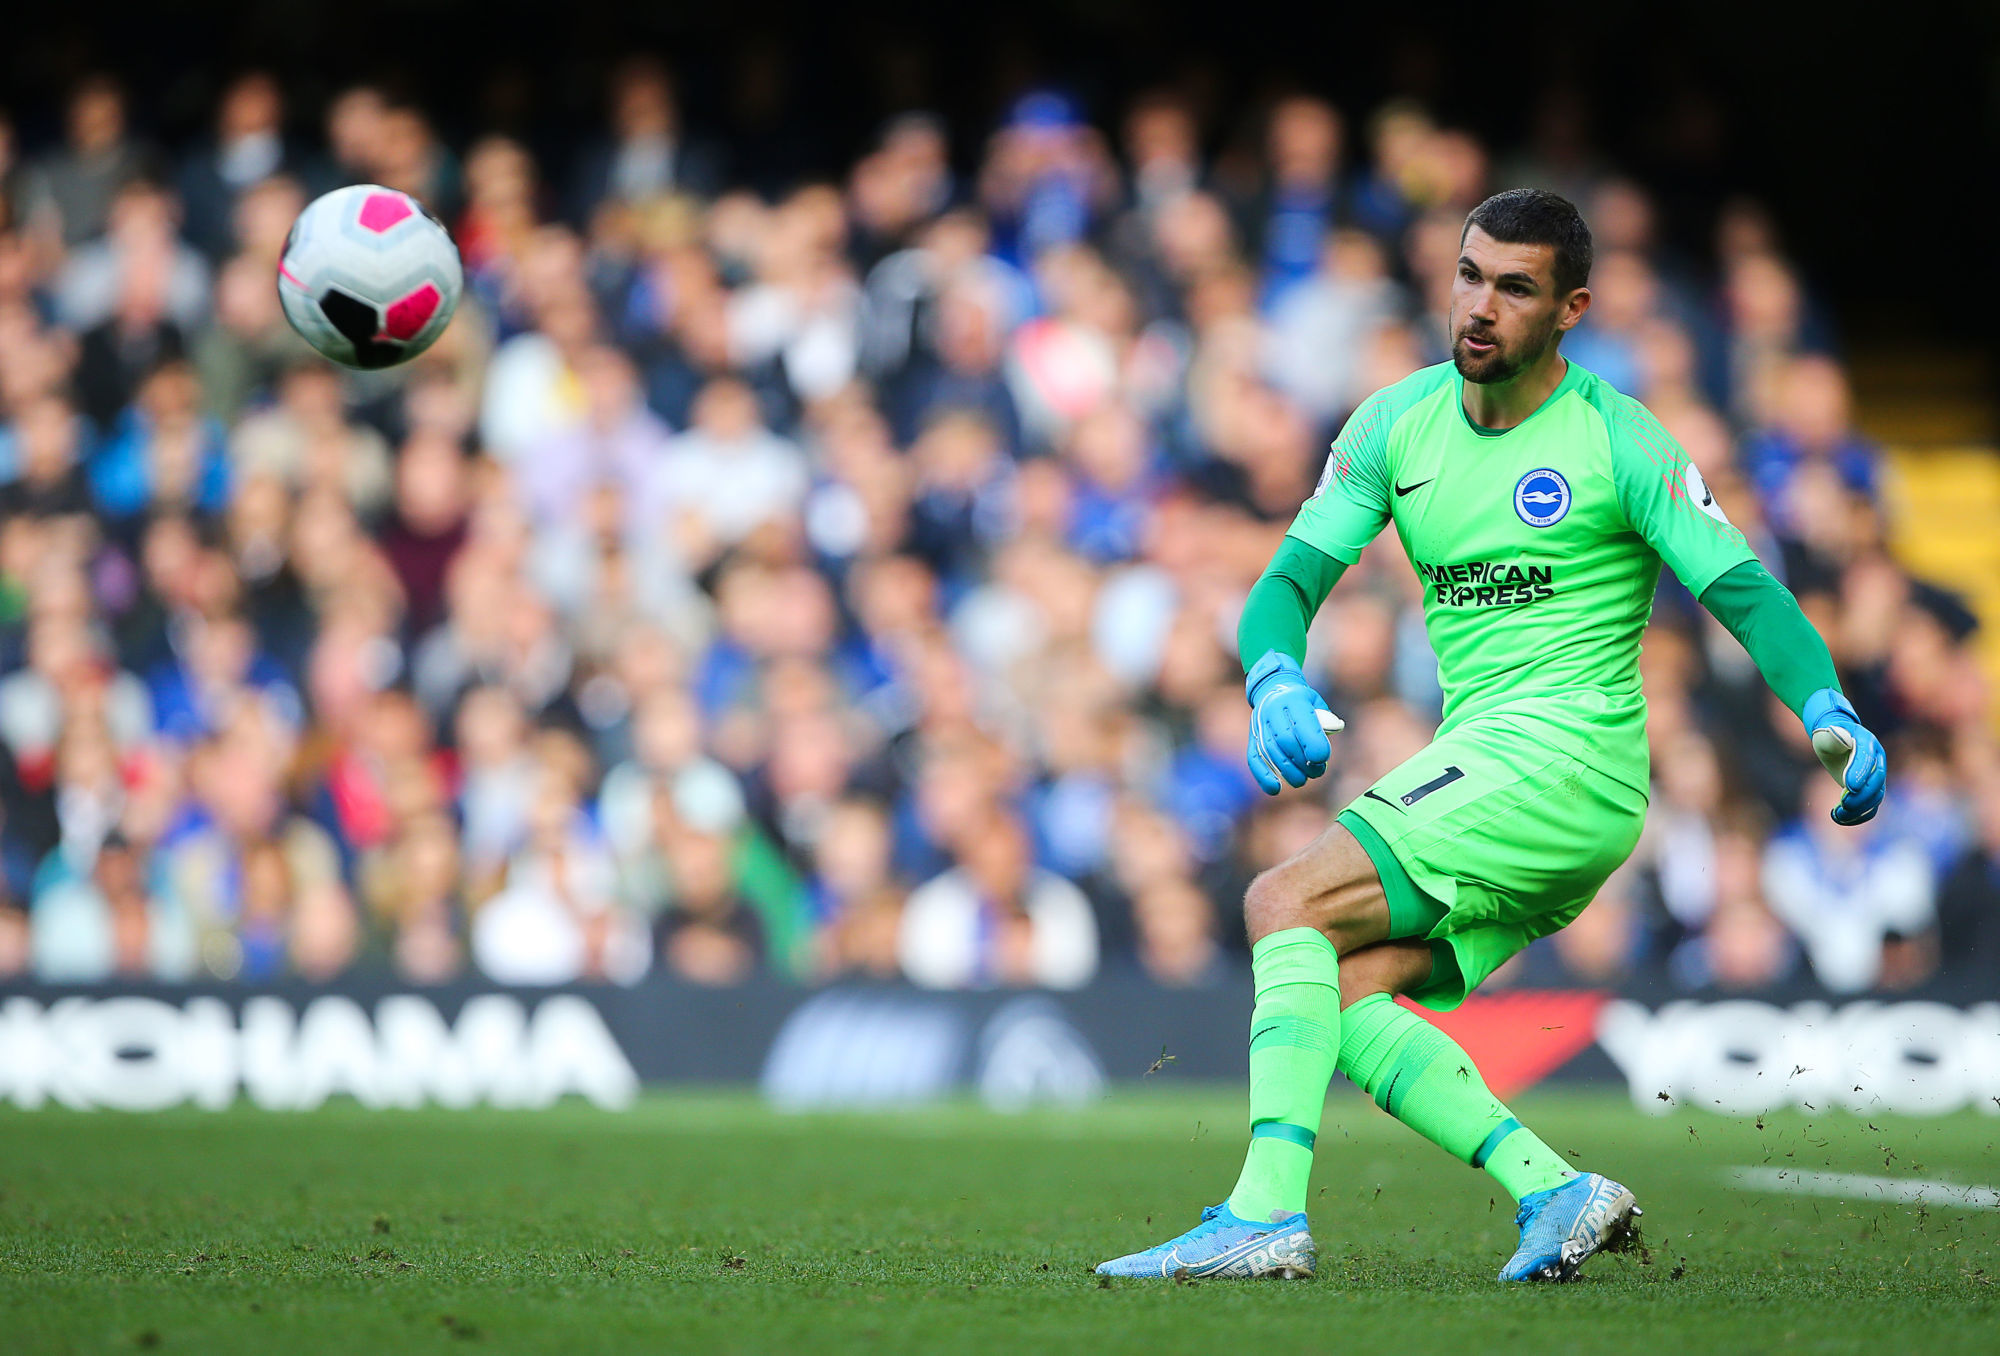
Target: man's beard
(1502,364)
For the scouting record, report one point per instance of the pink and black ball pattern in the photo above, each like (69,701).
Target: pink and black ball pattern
(368,277)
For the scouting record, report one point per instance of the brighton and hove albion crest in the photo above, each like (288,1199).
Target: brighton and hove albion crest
(1541,497)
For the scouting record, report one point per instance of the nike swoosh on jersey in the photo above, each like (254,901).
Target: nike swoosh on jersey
(1402,490)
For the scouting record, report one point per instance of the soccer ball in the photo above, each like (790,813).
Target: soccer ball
(368,277)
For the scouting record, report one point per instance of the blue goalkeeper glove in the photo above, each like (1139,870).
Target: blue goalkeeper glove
(1850,753)
(1289,723)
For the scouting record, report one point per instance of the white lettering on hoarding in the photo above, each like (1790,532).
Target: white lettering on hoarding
(141,1054)
(1920,1059)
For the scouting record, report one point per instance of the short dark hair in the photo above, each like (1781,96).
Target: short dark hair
(1535,216)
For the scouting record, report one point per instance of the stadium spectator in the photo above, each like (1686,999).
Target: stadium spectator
(501,213)
(415,900)
(899,187)
(139,249)
(1320,327)
(75,185)
(1846,895)
(726,475)
(248,149)
(1301,196)
(711,932)
(163,453)
(799,312)
(1677,852)
(246,344)
(996,918)
(529,391)
(1047,178)
(1810,438)
(1742,945)
(648,152)
(962,372)
(1969,899)
(961,494)
(857,902)
(139,337)
(1163,153)
(428,525)
(261,883)
(217,664)
(48,471)
(620,447)
(557,917)
(109,923)
(409,156)
(352,139)
(66,667)
(305,440)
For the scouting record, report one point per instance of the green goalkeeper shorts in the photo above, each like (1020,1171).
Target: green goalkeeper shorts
(1485,843)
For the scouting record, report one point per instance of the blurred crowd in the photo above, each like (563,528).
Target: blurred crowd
(845,582)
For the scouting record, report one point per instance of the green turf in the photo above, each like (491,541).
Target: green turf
(708,1223)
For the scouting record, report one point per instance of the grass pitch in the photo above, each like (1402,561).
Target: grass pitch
(707,1223)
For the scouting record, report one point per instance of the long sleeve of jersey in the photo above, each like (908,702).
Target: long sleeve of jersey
(1283,601)
(1669,504)
(1762,614)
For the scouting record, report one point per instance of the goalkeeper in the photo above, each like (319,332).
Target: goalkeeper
(1536,504)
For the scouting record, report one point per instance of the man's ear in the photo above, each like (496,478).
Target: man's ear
(1574,307)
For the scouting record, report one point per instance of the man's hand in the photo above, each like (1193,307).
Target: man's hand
(1288,724)
(1850,753)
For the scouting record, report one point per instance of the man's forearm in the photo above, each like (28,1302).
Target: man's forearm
(1283,602)
(1762,614)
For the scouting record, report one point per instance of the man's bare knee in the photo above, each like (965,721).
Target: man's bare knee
(1330,885)
(1268,906)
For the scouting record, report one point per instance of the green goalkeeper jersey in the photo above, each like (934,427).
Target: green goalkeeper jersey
(1538,548)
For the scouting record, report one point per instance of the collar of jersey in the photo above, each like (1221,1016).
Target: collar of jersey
(1571,376)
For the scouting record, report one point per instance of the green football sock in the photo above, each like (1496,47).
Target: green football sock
(1424,1079)
(1294,1034)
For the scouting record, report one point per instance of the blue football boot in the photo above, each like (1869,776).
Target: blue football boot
(1225,1244)
(1567,1225)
